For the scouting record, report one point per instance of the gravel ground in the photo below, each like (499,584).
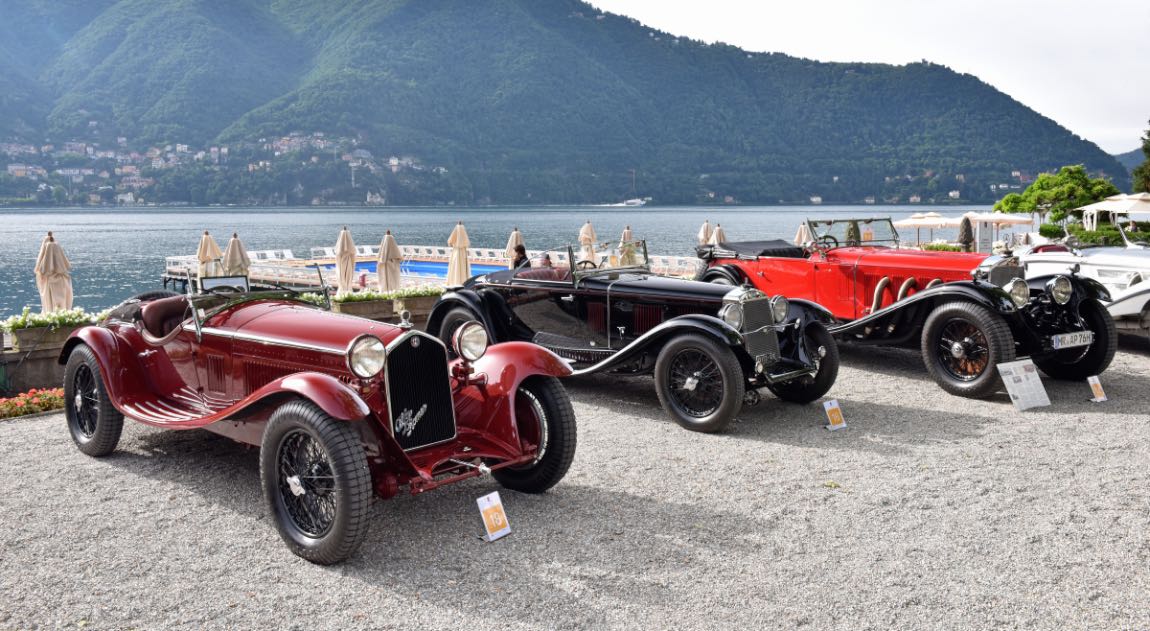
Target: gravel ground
(929,511)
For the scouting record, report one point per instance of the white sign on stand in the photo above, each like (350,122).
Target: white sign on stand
(1096,388)
(1024,384)
(494,519)
(834,415)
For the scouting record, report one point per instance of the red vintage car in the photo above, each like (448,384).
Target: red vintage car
(340,407)
(967,312)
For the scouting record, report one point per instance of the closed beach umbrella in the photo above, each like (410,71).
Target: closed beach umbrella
(718,236)
(458,265)
(208,255)
(804,234)
(387,267)
(236,261)
(53,276)
(516,239)
(627,248)
(345,262)
(704,236)
(587,239)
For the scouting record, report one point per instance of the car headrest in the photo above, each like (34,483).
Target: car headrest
(161,317)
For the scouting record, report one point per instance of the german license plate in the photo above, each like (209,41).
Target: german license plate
(1071,340)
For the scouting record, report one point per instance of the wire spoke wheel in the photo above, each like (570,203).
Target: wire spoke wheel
(963,350)
(531,419)
(307,484)
(86,401)
(696,383)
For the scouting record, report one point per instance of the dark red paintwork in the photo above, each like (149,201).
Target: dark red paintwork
(844,279)
(207,383)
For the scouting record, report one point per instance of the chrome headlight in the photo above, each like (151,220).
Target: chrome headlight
(366,356)
(1061,289)
(779,307)
(470,341)
(732,314)
(1019,292)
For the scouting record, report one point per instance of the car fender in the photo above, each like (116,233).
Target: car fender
(337,399)
(984,294)
(466,298)
(706,325)
(116,368)
(509,364)
(1084,288)
(807,312)
(733,273)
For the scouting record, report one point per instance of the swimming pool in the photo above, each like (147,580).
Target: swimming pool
(436,269)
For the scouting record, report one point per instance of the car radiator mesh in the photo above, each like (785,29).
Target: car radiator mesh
(419,392)
(760,344)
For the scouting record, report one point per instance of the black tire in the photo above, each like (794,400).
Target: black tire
(718,279)
(154,295)
(983,341)
(807,389)
(330,527)
(1076,364)
(93,422)
(556,435)
(712,408)
(451,321)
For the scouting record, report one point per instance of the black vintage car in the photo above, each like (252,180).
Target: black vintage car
(709,348)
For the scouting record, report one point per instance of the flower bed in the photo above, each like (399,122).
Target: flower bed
(46,330)
(32,402)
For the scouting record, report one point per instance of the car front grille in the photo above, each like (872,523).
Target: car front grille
(1002,274)
(419,391)
(760,344)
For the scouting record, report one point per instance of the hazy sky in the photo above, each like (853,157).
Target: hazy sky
(1083,64)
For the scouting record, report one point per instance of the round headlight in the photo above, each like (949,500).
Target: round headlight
(779,308)
(732,314)
(1019,292)
(1061,289)
(366,356)
(470,341)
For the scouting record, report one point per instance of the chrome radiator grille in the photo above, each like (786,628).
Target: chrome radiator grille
(1002,274)
(419,391)
(761,345)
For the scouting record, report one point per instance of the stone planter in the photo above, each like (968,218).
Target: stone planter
(40,338)
(371,309)
(419,306)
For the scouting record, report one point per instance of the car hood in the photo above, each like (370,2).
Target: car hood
(891,258)
(298,325)
(656,286)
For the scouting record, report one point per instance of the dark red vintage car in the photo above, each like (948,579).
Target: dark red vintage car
(967,312)
(340,407)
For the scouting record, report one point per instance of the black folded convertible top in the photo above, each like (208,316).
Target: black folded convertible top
(777,247)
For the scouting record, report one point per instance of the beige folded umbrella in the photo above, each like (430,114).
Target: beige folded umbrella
(345,262)
(387,265)
(804,234)
(587,239)
(53,276)
(704,236)
(458,265)
(718,236)
(627,248)
(515,239)
(236,261)
(208,255)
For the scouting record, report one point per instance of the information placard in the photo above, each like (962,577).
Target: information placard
(1024,384)
(834,415)
(494,519)
(1096,388)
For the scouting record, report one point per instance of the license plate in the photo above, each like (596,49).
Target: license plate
(1071,340)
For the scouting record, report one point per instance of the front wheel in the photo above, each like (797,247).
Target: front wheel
(821,345)
(546,423)
(94,423)
(316,482)
(1076,363)
(962,343)
(699,382)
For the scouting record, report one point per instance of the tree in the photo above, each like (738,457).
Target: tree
(1142,171)
(1058,194)
(966,235)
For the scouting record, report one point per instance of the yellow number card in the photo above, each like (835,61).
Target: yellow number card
(1096,388)
(834,415)
(494,519)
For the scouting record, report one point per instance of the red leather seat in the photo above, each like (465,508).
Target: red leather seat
(161,317)
(1050,247)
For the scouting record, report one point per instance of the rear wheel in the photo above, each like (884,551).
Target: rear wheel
(545,419)
(962,343)
(94,423)
(717,278)
(699,382)
(806,389)
(1079,363)
(316,482)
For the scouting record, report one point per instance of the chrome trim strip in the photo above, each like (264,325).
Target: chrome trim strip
(387,388)
(252,337)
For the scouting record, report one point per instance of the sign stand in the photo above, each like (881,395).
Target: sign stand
(494,519)
(1024,384)
(1096,388)
(834,415)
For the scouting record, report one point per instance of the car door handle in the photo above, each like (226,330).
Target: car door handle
(567,298)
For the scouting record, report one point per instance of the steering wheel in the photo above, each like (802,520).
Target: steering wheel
(225,290)
(830,240)
(582,265)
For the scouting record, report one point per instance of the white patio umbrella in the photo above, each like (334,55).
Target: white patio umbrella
(344,262)
(53,276)
(388,263)
(999,219)
(1117,205)
(718,236)
(514,240)
(587,239)
(918,221)
(704,236)
(803,235)
(236,261)
(458,265)
(627,247)
(208,255)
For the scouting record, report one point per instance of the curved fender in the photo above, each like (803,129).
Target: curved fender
(729,272)
(1083,287)
(117,369)
(332,396)
(467,298)
(509,364)
(809,311)
(984,294)
(707,325)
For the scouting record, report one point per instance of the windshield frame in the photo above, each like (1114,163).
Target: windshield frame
(819,241)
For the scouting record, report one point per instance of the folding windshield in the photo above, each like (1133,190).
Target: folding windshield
(853,232)
(569,262)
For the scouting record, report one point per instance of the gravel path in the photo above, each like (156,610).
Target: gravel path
(929,511)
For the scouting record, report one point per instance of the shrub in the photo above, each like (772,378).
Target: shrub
(32,402)
(399,294)
(1051,231)
(56,319)
(942,247)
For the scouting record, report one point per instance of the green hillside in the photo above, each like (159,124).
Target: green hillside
(1131,159)
(522,100)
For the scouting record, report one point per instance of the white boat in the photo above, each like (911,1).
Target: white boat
(637,201)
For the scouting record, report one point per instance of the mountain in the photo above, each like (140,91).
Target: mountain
(1131,159)
(520,100)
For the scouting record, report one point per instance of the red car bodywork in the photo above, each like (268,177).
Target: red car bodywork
(247,359)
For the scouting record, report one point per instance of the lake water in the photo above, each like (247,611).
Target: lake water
(117,253)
